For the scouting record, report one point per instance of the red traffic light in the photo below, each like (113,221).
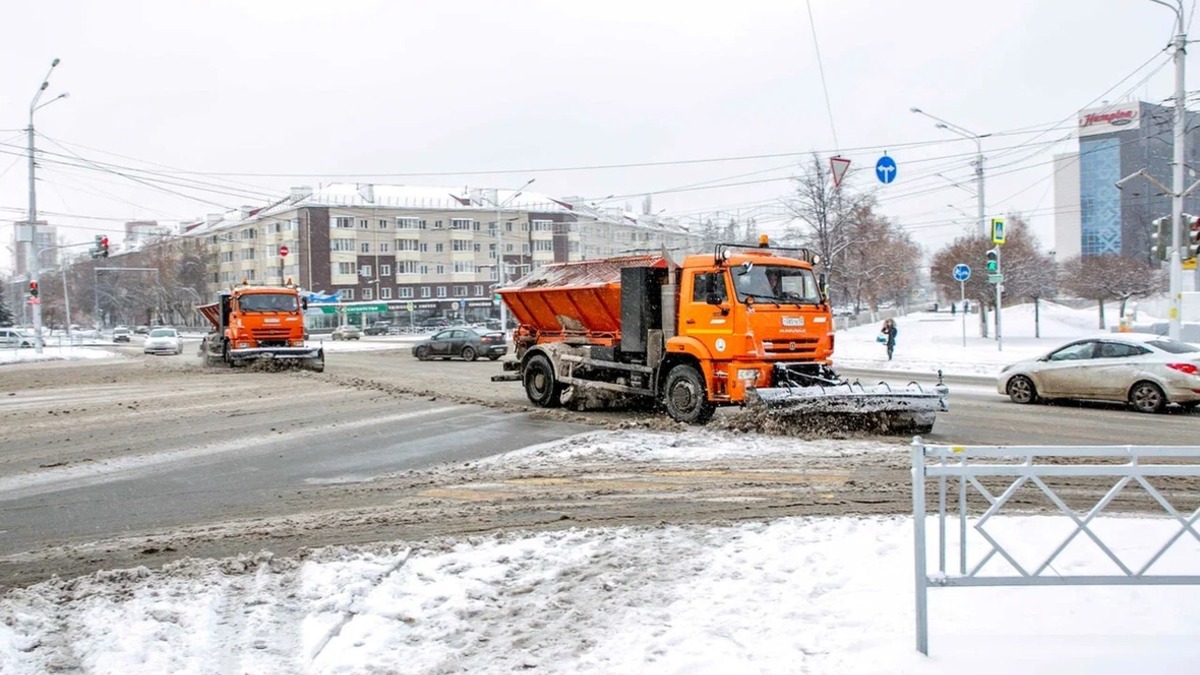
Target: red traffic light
(33,289)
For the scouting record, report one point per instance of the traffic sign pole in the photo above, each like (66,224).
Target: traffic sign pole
(962,272)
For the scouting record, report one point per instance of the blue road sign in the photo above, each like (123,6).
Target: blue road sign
(885,169)
(962,272)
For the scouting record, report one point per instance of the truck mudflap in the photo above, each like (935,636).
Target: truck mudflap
(911,409)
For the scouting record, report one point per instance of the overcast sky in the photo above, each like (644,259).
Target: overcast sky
(331,91)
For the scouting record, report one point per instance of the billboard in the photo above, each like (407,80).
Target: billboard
(1109,119)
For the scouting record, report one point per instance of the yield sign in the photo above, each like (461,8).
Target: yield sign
(838,166)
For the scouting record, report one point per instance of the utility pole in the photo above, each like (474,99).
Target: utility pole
(1177,191)
(31,258)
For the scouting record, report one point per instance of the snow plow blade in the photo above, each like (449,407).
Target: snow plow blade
(853,406)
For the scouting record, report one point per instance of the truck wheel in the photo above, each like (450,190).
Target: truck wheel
(468,353)
(540,384)
(225,357)
(685,396)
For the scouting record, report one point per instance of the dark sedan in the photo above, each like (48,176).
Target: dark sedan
(466,343)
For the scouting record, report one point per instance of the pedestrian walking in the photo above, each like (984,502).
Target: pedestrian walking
(888,333)
(952,308)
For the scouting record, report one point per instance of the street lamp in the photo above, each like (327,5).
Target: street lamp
(32,248)
(500,243)
(970,135)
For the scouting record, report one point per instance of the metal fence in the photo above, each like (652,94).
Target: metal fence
(1008,470)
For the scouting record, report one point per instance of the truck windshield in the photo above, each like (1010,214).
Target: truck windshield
(771,283)
(268,302)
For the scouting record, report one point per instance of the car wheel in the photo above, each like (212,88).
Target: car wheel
(1147,397)
(685,396)
(422,353)
(1021,390)
(541,386)
(493,357)
(468,353)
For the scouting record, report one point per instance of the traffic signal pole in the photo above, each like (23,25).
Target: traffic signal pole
(999,289)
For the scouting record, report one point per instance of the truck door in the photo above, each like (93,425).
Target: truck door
(704,311)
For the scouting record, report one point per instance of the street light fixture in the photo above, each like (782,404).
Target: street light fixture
(969,135)
(32,246)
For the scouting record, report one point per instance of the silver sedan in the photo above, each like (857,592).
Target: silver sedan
(1146,371)
(163,341)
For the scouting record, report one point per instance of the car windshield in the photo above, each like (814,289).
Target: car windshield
(120,330)
(268,302)
(162,332)
(1173,346)
(774,283)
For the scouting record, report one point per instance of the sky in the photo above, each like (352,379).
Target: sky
(230,103)
(827,595)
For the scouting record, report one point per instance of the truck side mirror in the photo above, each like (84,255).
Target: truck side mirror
(303,303)
(823,286)
(712,299)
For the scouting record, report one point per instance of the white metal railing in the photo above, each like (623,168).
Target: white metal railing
(1018,467)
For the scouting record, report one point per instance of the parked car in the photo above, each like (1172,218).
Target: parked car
(434,322)
(121,334)
(163,341)
(15,337)
(347,332)
(378,328)
(142,330)
(466,343)
(1146,371)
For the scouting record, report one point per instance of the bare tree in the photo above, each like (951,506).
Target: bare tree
(1112,277)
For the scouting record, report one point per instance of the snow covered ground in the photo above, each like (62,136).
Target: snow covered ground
(810,595)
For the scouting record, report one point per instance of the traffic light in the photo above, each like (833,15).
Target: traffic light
(103,246)
(1160,238)
(993,261)
(1192,250)
(33,289)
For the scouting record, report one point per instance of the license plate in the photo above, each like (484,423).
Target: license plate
(793,321)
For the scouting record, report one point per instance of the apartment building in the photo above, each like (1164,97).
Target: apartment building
(419,251)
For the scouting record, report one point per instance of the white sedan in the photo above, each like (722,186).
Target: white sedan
(163,341)
(1146,371)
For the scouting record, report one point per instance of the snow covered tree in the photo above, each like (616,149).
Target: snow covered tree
(6,313)
(1112,277)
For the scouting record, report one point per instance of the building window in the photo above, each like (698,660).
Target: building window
(365,271)
(383,224)
(424,291)
(368,294)
(385,293)
(364,247)
(460,291)
(406,267)
(460,223)
(478,291)
(247,254)
(461,245)
(385,270)
(249,233)
(542,225)
(424,247)
(347,293)
(441,291)
(543,245)
(441,269)
(364,224)
(341,245)
(385,247)
(404,292)
(343,223)
(407,245)
(464,267)
(345,268)
(248,274)
(439,248)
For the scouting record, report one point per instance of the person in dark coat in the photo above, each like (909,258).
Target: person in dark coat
(889,332)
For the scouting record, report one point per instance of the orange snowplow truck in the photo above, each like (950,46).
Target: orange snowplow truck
(746,325)
(257,323)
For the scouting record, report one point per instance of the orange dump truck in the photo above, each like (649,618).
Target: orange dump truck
(744,326)
(259,323)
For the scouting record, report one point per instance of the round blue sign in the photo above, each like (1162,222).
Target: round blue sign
(962,272)
(885,169)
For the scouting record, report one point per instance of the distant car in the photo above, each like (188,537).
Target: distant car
(142,330)
(121,334)
(434,322)
(378,328)
(14,337)
(163,341)
(347,332)
(465,343)
(1146,371)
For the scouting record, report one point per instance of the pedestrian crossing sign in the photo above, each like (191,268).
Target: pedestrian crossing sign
(997,231)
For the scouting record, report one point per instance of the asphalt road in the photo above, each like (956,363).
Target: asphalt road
(148,459)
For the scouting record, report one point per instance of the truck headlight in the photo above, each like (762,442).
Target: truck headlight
(243,345)
(297,343)
(747,375)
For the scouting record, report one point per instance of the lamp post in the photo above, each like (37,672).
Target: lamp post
(1177,192)
(500,244)
(969,135)
(33,268)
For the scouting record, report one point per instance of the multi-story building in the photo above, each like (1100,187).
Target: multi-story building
(1092,216)
(418,250)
